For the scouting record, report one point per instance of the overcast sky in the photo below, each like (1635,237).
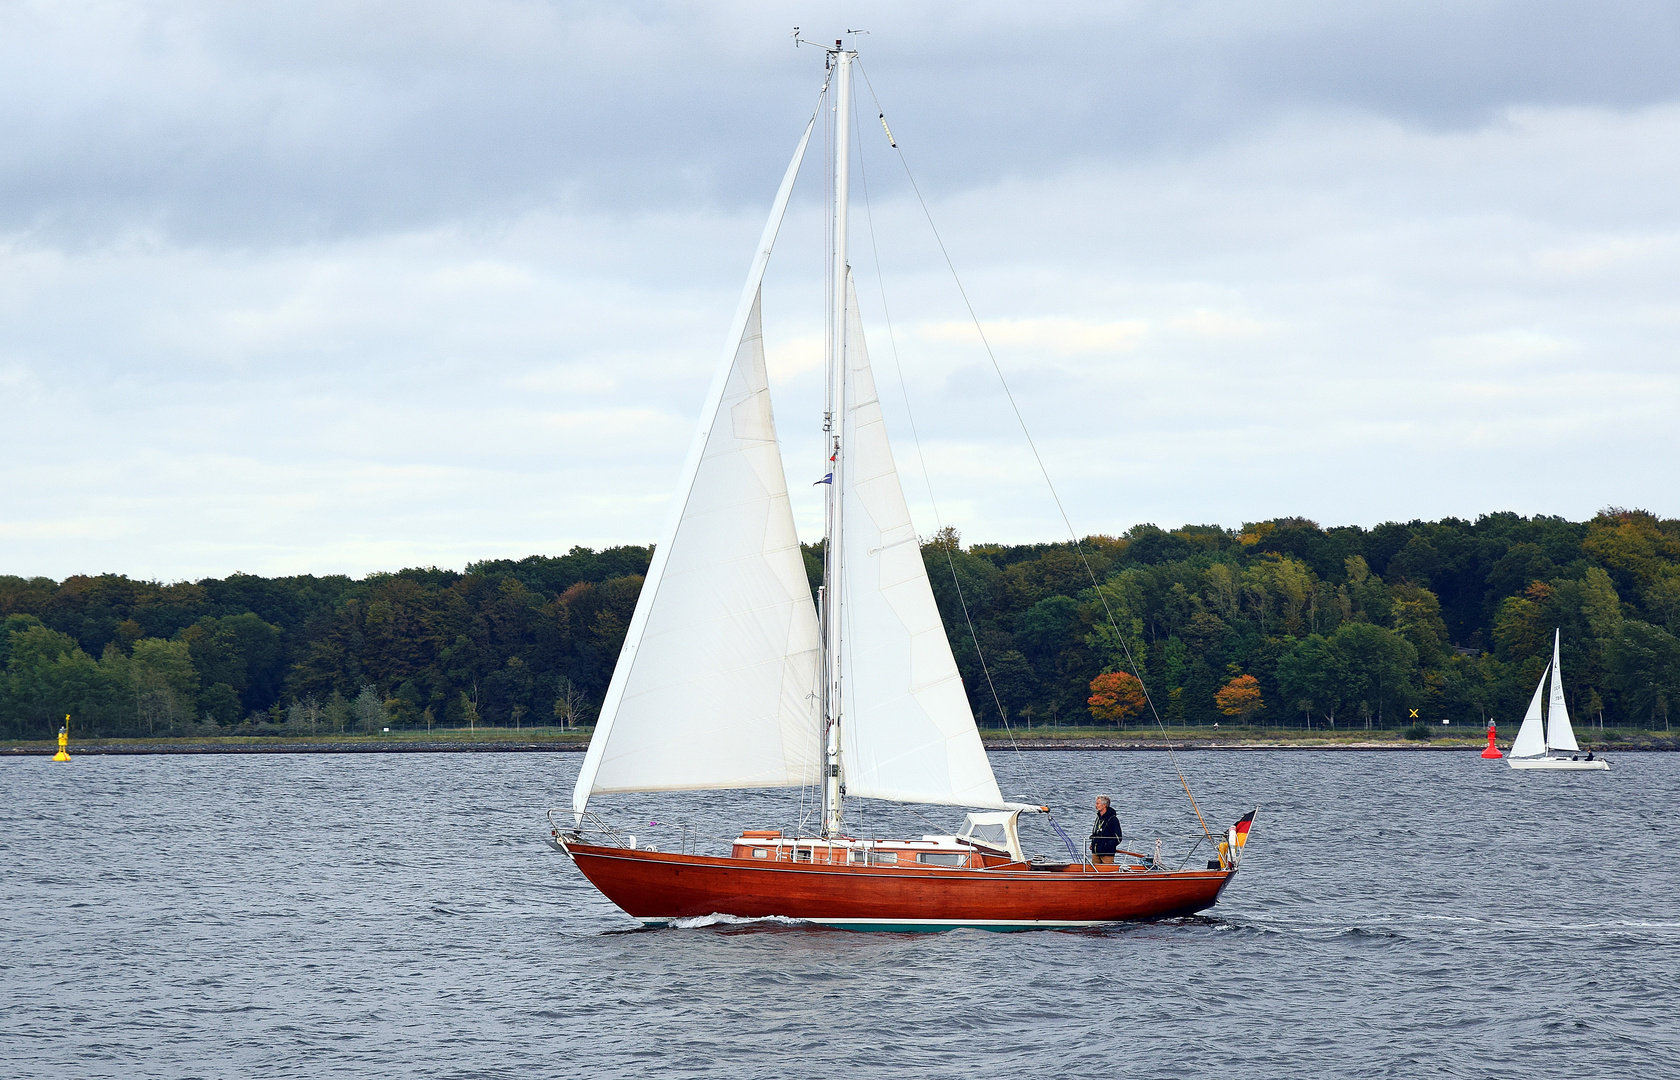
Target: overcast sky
(361,285)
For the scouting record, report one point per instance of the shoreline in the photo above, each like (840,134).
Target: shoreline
(269,745)
(1397,746)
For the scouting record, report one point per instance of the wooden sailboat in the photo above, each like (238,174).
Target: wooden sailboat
(730,677)
(1549,742)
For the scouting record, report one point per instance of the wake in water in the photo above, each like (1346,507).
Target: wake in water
(734,924)
(722,923)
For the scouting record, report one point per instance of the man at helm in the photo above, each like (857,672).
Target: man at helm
(1105,832)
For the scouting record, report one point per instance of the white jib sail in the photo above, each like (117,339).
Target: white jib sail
(1531,739)
(1559,734)
(715,685)
(907,732)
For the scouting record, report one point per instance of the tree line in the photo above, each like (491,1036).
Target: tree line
(503,643)
(1286,623)
(1279,622)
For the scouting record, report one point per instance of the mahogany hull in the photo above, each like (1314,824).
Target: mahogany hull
(657,887)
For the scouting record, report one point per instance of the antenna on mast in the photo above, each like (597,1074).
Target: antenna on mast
(798,41)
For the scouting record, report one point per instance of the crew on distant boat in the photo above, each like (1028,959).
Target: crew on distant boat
(1105,832)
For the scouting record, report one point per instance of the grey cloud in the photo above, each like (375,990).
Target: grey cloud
(238,123)
(372,286)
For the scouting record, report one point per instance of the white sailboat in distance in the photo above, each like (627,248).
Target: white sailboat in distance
(1550,744)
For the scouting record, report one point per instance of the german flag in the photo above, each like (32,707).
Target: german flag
(1240,829)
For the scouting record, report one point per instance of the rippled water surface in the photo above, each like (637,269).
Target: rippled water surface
(399,915)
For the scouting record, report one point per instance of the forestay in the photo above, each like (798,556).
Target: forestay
(1559,734)
(907,732)
(715,685)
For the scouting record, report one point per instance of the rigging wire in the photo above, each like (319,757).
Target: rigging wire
(915,436)
(1079,547)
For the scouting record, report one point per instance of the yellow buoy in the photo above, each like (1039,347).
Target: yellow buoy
(63,740)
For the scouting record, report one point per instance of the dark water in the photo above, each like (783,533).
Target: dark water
(1398,915)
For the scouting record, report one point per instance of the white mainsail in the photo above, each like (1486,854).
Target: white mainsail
(715,685)
(1559,734)
(718,682)
(907,732)
(1531,739)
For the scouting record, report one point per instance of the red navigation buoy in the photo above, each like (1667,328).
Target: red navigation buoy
(1492,751)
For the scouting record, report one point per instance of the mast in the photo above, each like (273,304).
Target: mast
(840,59)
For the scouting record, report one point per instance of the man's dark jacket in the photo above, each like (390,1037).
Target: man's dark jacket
(1105,833)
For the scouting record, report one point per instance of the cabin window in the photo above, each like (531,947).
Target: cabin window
(940,858)
(884,858)
(800,855)
(761,853)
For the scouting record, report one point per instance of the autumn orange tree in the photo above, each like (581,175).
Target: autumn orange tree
(1116,696)
(1240,697)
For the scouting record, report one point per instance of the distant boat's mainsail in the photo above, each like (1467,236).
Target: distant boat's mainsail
(1559,734)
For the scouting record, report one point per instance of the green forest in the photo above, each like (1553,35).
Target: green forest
(1279,623)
